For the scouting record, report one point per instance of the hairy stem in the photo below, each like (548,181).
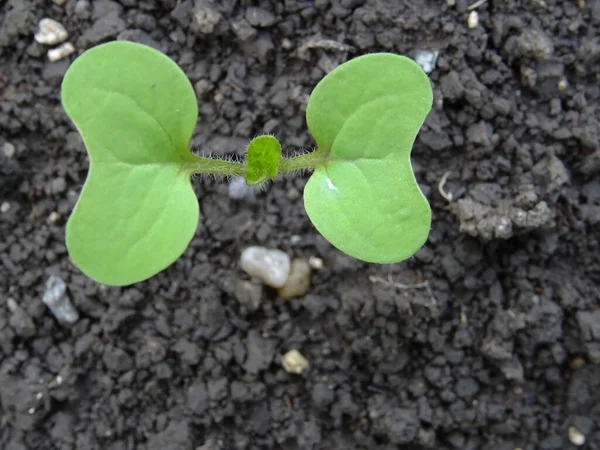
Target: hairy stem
(306,161)
(212,166)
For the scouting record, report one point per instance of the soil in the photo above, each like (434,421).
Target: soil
(499,351)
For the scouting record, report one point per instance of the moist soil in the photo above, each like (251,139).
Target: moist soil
(497,347)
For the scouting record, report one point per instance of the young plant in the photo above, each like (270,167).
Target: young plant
(136,111)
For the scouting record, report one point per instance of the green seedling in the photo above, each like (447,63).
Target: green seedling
(136,111)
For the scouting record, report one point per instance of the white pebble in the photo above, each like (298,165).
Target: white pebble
(238,189)
(298,282)
(473,19)
(50,32)
(60,52)
(315,262)
(271,266)
(563,84)
(11,304)
(54,217)
(4,207)
(286,44)
(8,149)
(426,59)
(294,362)
(576,437)
(57,300)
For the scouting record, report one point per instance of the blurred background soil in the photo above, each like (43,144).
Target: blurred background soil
(498,350)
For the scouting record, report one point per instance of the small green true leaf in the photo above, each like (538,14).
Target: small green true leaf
(364,198)
(136,112)
(262,159)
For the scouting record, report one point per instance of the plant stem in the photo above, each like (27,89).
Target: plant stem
(306,161)
(201,165)
(218,167)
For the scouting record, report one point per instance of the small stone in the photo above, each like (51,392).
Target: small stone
(452,87)
(238,189)
(589,325)
(563,84)
(117,359)
(292,193)
(8,149)
(50,32)
(107,26)
(513,370)
(576,437)
(22,323)
(54,217)
(260,352)
(59,2)
(58,185)
(54,72)
(577,363)
(60,52)
(535,44)
(556,174)
(294,362)
(243,31)
(206,17)
(56,299)
(82,9)
(426,59)
(400,425)
(261,48)
(17,21)
(202,88)
(12,304)
(249,294)
(479,133)
(189,352)
(473,19)
(467,388)
(197,398)
(503,228)
(258,17)
(271,266)
(4,207)
(298,281)
(315,263)
(286,44)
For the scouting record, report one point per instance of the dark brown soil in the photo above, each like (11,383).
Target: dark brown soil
(502,353)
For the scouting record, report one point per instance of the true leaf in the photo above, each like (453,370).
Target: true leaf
(365,116)
(262,159)
(136,111)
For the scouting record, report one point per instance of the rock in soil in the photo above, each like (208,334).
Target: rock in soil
(271,266)
(298,281)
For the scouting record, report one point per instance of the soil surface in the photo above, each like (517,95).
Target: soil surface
(499,351)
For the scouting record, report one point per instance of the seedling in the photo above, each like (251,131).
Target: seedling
(136,111)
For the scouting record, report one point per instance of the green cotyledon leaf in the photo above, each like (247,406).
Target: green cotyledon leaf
(365,116)
(136,112)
